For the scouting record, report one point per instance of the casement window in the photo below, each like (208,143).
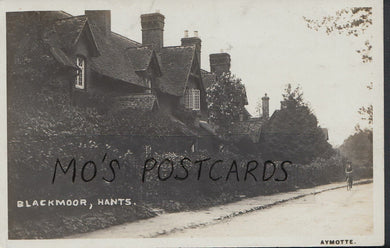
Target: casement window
(187,100)
(196,99)
(192,99)
(80,78)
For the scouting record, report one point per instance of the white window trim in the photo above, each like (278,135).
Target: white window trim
(148,83)
(80,78)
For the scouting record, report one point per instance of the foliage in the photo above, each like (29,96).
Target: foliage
(293,98)
(366,52)
(56,117)
(349,21)
(367,113)
(226,100)
(357,148)
(293,132)
(170,195)
(44,126)
(259,107)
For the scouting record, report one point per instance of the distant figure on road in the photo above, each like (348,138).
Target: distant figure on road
(348,173)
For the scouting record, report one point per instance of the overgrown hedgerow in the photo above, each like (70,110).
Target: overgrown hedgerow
(46,130)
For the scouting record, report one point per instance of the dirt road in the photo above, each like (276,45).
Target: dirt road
(332,212)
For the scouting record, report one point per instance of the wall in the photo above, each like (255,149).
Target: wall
(79,96)
(100,91)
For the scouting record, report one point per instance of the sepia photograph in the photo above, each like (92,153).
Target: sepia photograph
(193,123)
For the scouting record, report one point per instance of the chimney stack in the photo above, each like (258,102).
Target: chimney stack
(220,63)
(265,106)
(153,30)
(101,19)
(195,40)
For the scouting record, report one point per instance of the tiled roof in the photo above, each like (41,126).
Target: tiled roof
(144,102)
(113,61)
(61,57)
(203,130)
(65,33)
(186,130)
(207,127)
(208,78)
(68,30)
(251,128)
(126,40)
(176,66)
(120,58)
(140,57)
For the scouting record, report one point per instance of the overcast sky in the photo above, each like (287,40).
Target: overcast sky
(270,46)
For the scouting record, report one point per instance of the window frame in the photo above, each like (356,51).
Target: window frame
(81,72)
(148,83)
(192,99)
(195,99)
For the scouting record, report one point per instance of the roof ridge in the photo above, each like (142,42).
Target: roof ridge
(191,46)
(70,17)
(141,47)
(170,46)
(126,38)
(66,13)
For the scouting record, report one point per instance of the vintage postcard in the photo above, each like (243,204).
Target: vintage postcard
(192,123)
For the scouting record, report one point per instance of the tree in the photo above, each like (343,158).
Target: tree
(367,113)
(259,107)
(357,148)
(226,100)
(293,98)
(293,132)
(348,21)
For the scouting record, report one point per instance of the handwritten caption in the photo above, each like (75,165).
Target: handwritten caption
(165,169)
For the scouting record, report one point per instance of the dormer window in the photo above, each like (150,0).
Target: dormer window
(80,78)
(192,99)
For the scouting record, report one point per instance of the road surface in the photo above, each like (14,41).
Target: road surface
(322,210)
(328,213)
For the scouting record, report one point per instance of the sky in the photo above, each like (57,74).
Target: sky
(270,46)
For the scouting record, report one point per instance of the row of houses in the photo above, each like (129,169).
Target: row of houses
(139,76)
